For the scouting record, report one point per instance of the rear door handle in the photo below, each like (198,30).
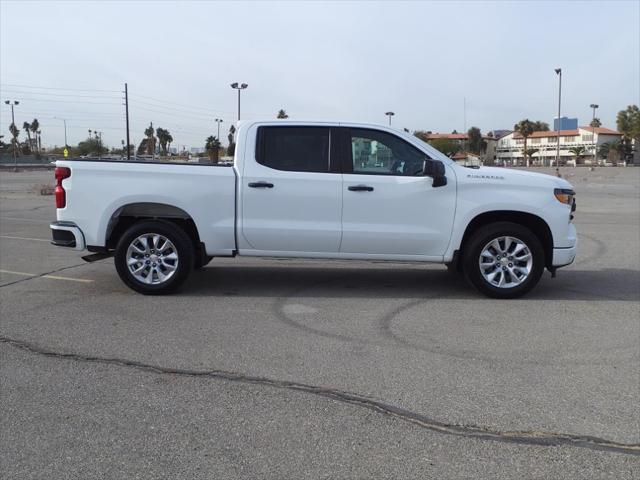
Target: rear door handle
(261,185)
(360,188)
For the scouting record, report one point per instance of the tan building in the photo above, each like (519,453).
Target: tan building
(510,148)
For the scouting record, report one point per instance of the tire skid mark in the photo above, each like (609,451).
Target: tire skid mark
(530,437)
(278,309)
(601,249)
(386,328)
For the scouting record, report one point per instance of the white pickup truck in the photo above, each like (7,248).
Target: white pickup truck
(317,190)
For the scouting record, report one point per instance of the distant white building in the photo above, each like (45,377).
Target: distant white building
(510,148)
(196,150)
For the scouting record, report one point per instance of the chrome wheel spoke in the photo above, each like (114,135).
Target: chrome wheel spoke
(138,249)
(139,269)
(146,262)
(510,258)
(169,267)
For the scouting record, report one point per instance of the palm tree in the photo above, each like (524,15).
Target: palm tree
(35,128)
(231,149)
(525,128)
(282,114)
(27,128)
(212,146)
(578,152)
(628,124)
(151,140)
(14,141)
(611,150)
(164,137)
(530,152)
(595,123)
(539,126)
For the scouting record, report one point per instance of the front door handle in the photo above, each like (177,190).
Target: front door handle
(261,185)
(360,188)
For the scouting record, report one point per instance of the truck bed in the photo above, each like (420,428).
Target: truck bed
(97,191)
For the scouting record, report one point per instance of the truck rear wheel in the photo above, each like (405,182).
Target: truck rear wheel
(154,257)
(503,260)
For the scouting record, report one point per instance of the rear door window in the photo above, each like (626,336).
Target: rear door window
(294,149)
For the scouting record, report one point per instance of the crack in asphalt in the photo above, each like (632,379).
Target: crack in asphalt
(531,437)
(40,275)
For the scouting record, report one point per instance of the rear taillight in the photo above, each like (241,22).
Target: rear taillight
(61,198)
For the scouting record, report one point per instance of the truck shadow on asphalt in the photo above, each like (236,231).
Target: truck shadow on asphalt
(612,284)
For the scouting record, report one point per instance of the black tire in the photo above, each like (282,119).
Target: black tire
(481,238)
(183,248)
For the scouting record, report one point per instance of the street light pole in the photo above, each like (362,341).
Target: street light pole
(126,109)
(239,86)
(559,73)
(389,114)
(218,121)
(14,140)
(593,131)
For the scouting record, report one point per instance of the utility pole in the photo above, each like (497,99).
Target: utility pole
(126,108)
(218,121)
(239,87)
(13,140)
(464,113)
(64,120)
(593,132)
(389,114)
(559,73)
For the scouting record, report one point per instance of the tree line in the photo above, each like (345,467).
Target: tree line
(158,140)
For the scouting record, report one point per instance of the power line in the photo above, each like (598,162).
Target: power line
(207,110)
(22,92)
(57,88)
(66,101)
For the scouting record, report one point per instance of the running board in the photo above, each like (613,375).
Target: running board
(94,257)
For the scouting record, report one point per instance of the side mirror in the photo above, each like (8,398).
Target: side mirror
(435,170)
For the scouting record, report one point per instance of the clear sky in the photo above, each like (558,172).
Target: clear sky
(324,60)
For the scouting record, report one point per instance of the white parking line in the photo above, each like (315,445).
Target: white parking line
(52,277)
(32,220)
(25,238)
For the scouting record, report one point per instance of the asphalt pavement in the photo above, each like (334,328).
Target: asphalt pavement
(286,368)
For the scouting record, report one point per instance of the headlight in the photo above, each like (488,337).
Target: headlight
(564,195)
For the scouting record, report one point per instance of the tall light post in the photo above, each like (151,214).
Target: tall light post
(389,114)
(559,73)
(65,130)
(593,131)
(99,137)
(239,87)
(218,121)
(13,103)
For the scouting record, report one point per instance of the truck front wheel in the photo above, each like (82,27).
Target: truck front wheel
(503,260)
(154,257)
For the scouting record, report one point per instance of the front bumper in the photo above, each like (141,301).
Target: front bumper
(67,234)
(566,256)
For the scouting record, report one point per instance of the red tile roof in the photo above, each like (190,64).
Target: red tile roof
(601,130)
